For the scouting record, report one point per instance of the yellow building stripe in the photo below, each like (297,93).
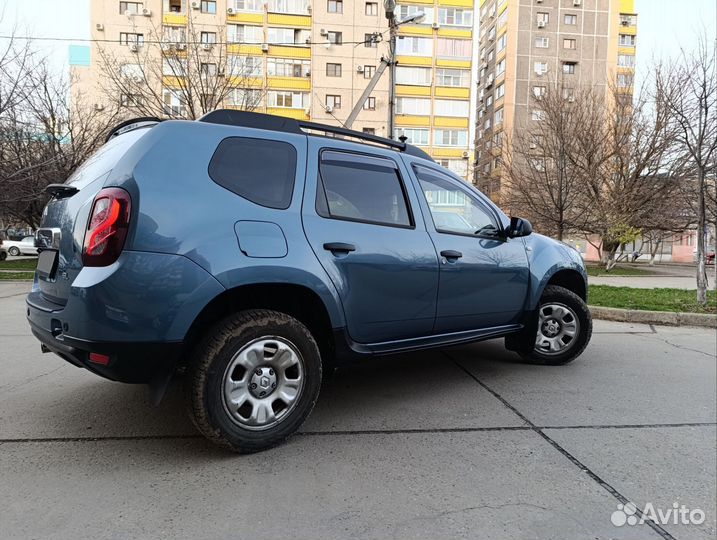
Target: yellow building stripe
(409,90)
(289,52)
(299,114)
(244,49)
(454,32)
(415,30)
(415,60)
(450,121)
(453,63)
(410,120)
(290,83)
(246,82)
(457,3)
(290,20)
(251,18)
(447,152)
(449,91)
(174,19)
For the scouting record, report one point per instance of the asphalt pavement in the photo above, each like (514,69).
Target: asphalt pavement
(460,443)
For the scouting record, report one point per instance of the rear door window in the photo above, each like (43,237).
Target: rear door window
(368,189)
(259,170)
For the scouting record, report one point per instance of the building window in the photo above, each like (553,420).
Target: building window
(288,36)
(539,91)
(335,38)
(368,71)
(454,48)
(417,76)
(569,94)
(570,19)
(500,68)
(299,7)
(500,91)
(451,107)
(288,67)
(542,18)
(369,131)
(451,77)
(208,38)
(537,115)
(540,67)
(335,6)
(240,33)
(490,55)
(502,19)
(569,43)
(628,20)
(248,5)
(333,70)
(244,98)
(245,66)
(288,100)
(174,67)
(569,68)
(487,124)
(502,42)
(498,118)
(129,8)
(174,6)
(488,102)
(627,40)
(455,17)
(415,106)
(626,60)
(450,137)
(370,41)
(404,11)
(333,101)
(417,136)
(414,46)
(174,102)
(542,42)
(209,6)
(128,38)
(130,100)
(456,166)
(370,104)
(624,80)
(371,9)
(208,70)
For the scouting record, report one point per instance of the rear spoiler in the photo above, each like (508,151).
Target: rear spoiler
(129,125)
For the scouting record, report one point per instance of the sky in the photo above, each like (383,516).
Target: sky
(663,25)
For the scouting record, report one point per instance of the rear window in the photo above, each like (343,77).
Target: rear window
(259,170)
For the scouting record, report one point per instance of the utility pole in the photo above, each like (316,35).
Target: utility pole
(390,62)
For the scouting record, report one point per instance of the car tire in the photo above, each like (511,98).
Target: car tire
(14,251)
(253,380)
(3,255)
(564,328)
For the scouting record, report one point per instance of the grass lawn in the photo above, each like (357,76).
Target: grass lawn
(12,276)
(594,270)
(19,264)
(651,299)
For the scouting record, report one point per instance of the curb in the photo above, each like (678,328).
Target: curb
(664,318)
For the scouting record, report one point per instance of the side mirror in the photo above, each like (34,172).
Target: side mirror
(519,227)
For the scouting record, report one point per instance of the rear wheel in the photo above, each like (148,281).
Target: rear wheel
(564,328)
(254,380)
(14,251)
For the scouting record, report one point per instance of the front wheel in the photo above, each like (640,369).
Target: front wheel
(14,251)
(564,328)
(254,380)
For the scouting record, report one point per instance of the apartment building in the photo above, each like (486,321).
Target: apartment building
(527,45)
(305,59)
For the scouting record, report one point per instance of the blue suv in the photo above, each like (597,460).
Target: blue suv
(250,252)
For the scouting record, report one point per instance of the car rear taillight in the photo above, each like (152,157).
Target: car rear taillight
(107,227)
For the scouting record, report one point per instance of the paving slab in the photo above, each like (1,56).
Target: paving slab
(661,466)
(469,485)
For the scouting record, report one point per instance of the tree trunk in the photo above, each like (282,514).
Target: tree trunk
(653,251)
(701,225)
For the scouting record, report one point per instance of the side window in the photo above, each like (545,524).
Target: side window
(361,188)
(259,170)
(453,209)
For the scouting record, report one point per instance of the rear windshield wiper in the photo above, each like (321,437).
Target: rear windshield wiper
(60,191)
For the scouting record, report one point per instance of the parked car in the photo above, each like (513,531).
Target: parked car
(3,251)
(253,255)
(26,246)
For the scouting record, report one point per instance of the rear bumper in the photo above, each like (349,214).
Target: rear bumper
(128,362)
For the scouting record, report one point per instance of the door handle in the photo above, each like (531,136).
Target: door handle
(340,247)
(451,254)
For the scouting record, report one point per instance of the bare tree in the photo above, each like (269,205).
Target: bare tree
(179,73)
(688,88)
(44,137)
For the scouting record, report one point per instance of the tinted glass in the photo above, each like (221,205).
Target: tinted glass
(453,209)
(259,170)
(361,189)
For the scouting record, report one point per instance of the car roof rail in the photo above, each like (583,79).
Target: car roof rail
(129,125)
(271,122)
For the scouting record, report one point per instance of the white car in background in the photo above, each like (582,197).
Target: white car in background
(26,246)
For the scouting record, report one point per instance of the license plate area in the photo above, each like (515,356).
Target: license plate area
(47,264)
